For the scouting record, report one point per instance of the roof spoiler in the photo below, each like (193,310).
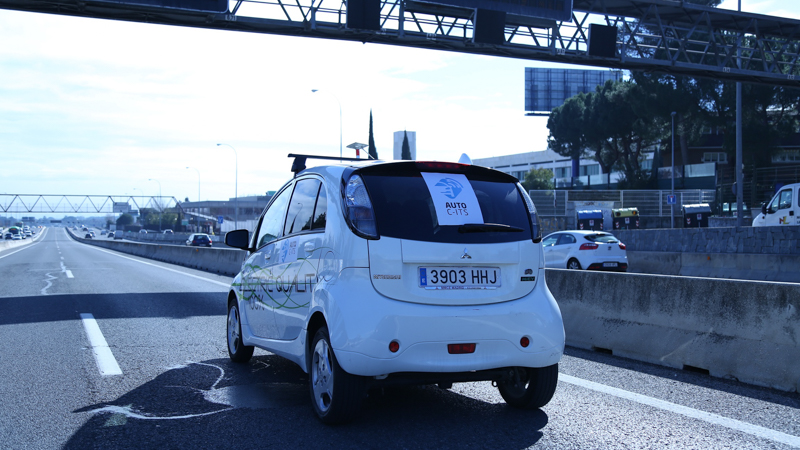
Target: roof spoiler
(299,163)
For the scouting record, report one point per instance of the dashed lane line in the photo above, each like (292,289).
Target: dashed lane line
(102,353)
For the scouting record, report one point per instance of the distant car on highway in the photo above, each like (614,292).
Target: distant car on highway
(142,231)
(199,239)
(110,234)
(88,236)
(168,231)
(584,249)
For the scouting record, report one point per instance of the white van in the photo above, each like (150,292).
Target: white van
(783,209)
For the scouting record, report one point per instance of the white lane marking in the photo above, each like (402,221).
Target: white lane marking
(66,271)
(715,419)
(102,353)
(161,267)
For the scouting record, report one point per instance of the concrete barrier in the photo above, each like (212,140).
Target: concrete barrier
(743,330)
(224,261)
(743,266)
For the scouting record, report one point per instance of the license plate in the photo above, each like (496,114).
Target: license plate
(611,264)
(459,277)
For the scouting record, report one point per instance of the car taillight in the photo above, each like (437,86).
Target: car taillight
(622,246)
(359,208)
(536,226)
(588,246)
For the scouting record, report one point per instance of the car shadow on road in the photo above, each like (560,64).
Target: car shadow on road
(53,308)
(266,404)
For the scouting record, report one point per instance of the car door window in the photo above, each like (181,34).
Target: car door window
(271,226)
(785,199)
(321,210)
(549,241)
(566,239)
(301,208)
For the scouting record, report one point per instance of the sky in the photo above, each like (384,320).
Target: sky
(98,107)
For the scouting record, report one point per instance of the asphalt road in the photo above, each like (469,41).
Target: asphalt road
(163,379)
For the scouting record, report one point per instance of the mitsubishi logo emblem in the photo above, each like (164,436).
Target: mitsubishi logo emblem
(466,255)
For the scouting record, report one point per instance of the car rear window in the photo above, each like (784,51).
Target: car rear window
(404,208)
(602,238)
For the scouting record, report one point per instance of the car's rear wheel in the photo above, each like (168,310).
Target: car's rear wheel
(529,387)
(238,352)
(335,394)
(573,264)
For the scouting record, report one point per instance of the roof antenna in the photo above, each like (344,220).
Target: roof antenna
(465,159)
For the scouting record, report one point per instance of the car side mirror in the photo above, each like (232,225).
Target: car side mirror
(238,239)
(764,209)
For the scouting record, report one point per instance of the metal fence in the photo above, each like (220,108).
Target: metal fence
(648,202)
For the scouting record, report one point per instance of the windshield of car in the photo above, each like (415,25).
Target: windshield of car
(602,238)
(404,208)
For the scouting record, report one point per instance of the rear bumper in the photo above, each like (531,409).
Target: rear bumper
(363,323)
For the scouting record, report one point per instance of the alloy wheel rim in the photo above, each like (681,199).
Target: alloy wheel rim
(233,330)
(322,376)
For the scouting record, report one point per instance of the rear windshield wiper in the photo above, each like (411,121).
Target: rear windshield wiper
(487,228)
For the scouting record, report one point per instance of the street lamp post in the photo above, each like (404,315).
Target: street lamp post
(158,202)
(198,182)
(340,119)
(236,189)
(141,199)
(739,165)
(672,205)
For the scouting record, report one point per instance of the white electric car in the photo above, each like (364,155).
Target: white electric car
(369,273)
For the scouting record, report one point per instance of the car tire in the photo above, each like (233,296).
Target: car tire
(529,387)
(335,394)
(238,352)
(573,264)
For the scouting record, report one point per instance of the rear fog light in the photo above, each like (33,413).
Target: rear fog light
(457,349)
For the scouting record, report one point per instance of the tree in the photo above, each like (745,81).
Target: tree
(538,179)
(124,220)
(405,154)
(567,130)
(373,152)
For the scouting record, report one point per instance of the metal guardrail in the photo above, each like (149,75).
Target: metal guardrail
(649,202)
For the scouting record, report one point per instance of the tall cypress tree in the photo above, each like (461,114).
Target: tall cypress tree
(373,152)
(406,152)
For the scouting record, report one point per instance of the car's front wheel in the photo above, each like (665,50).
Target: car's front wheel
(573,264)
(336,394)
(528,387)
(238,352)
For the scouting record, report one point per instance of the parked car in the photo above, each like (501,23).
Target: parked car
(584,249)
(199,239)
(783,209)
(368,274)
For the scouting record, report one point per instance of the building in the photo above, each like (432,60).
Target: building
(521,163)
(398,144)
(204,216)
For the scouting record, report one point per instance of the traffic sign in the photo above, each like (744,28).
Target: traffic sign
(219,219)
(671,199)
